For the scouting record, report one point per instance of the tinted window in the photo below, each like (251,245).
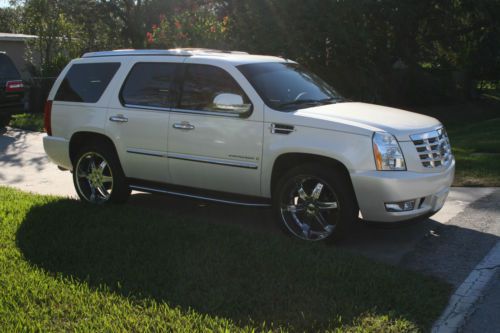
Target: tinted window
(288,86)
(202,83)
(86,82)
(149,84)
(7,68)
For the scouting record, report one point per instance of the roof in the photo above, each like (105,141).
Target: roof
(236,57)
(5,36)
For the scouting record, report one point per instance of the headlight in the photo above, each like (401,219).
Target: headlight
(388,154)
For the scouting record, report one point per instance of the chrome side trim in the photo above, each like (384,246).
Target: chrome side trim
(210,160)
(146,152)
(208,113)
(185,195)
(145,107)
(185,157)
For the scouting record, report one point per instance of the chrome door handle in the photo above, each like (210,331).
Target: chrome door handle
(119,119)
(184,126)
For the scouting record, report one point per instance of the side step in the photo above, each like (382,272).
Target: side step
(219,197)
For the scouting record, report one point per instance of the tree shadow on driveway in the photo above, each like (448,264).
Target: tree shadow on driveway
(222,270)
(15,152)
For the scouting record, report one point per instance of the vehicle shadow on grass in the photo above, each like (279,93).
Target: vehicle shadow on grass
(222,270)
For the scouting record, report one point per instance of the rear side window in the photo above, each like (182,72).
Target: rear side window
(7,68)
(202,83)
(85,83)
(149,84)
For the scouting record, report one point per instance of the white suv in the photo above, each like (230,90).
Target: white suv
(242,129)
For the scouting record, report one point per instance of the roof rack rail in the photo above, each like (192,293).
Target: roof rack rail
(203,50)
(186,52)
(132,52)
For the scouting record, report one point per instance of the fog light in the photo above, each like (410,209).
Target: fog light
(403,206)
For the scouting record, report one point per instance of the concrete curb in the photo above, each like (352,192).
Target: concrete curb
(461,304)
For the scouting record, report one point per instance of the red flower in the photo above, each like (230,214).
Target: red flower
(178,24)
(149,37)
(212,29)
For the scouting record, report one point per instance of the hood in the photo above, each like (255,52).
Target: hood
(372,117)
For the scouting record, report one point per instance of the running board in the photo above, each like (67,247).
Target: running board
(199,197)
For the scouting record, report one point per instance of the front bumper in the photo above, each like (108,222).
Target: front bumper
(376,188)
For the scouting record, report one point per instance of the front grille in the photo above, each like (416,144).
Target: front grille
(433,148)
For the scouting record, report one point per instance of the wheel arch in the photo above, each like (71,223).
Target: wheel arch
(83,138)
(286,161)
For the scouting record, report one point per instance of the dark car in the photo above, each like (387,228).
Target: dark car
(11,89)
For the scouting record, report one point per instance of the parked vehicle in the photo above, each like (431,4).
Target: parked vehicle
(242,129)
(11,89)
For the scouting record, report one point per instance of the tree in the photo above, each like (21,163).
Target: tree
(9,19)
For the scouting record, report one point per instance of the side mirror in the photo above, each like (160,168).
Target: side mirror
(231,103)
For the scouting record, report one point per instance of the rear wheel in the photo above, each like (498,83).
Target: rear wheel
(315,203)
(98,176)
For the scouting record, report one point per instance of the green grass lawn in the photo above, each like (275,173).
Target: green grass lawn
(68,266)
(28,121)
(477,150)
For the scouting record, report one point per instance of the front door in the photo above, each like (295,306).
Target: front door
(210,149)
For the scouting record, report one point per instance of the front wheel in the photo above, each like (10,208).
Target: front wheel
(315,203)
(98,177)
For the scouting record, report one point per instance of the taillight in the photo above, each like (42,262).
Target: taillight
(47,115)
(14,86)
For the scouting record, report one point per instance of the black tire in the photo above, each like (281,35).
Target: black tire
(336,203)
(87,178)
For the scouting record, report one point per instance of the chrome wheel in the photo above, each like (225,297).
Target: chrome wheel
(310,208)
(94,178)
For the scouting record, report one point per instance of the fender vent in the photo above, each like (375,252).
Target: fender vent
(282,129)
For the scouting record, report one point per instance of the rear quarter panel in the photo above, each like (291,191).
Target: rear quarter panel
(69,118)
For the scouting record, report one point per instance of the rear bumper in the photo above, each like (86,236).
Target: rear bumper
(57,149)
(376,188)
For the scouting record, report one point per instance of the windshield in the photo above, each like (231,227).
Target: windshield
(288,86)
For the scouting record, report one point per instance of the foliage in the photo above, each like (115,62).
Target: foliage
(375,50)
(386,51)
(28,121)
(68,266)
(198,26)
(65,30)
(10,19)
(54,45)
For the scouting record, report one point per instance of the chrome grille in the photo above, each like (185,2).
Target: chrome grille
(433,148)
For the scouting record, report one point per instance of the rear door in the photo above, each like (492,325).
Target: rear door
(138,117)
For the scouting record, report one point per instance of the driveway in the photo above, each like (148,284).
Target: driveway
(447,245)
